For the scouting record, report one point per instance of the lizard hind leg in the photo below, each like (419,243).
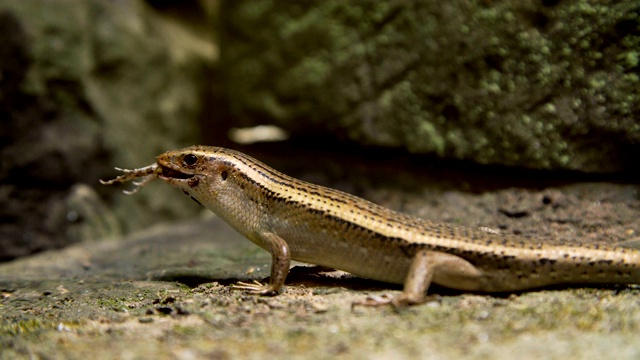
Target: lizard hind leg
(441,268)
(432,266)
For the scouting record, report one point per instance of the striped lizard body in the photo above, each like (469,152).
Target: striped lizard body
(293,219)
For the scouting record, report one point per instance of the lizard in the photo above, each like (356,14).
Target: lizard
(296,220)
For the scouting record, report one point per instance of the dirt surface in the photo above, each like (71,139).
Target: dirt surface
(165,292)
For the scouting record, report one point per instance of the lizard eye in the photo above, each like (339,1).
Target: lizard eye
(190,159)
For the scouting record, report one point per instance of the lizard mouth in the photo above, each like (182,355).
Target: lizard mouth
(170,173)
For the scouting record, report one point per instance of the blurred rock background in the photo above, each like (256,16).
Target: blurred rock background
(546,84)
(88,85)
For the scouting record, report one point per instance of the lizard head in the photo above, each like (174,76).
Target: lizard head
(205,173)
(187,168)
(217,179)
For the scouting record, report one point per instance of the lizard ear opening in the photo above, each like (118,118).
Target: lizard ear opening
(224,175)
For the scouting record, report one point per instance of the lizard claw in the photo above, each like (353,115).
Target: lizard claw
(382,300)
(255,288)
(398,302)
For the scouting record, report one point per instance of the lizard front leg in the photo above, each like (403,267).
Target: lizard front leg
(280,262)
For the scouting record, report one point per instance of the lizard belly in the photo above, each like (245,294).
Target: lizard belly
(360,258)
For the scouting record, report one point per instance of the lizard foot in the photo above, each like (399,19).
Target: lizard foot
(382,300)
(404,300)
(255,288)
(397,302)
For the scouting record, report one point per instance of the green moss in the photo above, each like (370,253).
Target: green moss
(631,59)
(24,327)
(188,331)
(397,75)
